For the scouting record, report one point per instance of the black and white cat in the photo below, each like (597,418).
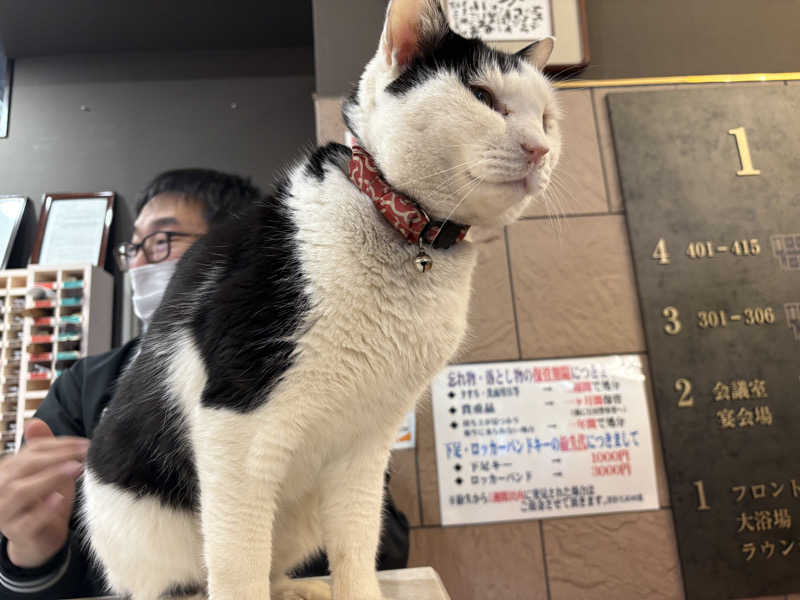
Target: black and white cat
(255,424)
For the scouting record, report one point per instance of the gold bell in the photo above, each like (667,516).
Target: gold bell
(423,262)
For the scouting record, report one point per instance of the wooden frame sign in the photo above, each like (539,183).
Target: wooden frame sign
(74,228)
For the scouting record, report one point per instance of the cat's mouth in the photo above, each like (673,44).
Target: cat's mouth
(503,194)
(519,182)
(507,176)
(529,185)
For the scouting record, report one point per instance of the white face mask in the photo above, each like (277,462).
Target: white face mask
(149,283)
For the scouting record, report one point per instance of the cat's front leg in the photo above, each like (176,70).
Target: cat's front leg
(240,463)
(352,502)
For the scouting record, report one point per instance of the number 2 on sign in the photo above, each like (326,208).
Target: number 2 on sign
(684,386)
(744,152)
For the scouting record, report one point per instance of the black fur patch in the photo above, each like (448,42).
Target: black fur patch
(331,153)
(244,324)
(350,101)
(281,191)
(239,293)
(181,590)
(467,58)
(132,448)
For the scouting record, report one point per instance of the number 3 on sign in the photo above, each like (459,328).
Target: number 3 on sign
(673,325)
(744,152)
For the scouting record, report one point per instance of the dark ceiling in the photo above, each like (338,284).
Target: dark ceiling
(56,27)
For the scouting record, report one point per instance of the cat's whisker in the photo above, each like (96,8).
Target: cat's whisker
(558,209)
(463,144)
(565,177)
(560,222)
(556,215)
(463,166)
(452,178)
(566,192)
(461,187)
(553,212)
(551,221)
(561,197)
(477,184)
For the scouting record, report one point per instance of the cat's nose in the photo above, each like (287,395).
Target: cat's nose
(534,154)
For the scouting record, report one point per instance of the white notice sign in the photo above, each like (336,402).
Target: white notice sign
(497,20)
(74,232)
(407,435)
(537,439)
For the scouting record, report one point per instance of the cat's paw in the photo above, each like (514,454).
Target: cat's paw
(302,589)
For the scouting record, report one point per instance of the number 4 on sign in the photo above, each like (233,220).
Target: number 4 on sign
(660,253)
(744,152)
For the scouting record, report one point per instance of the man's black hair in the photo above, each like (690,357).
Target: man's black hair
(221,194)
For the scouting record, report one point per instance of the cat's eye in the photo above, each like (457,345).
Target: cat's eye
(483,95)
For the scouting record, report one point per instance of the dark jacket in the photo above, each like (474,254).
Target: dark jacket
(73,407)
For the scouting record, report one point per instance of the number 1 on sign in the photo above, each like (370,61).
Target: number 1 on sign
(702,503)
(744,152)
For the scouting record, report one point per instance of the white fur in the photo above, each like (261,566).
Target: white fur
(163,544)
(305,470)
(465,160)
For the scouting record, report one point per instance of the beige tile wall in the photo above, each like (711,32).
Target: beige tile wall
(577,186)
(626,555)
(547,290)
(573,287)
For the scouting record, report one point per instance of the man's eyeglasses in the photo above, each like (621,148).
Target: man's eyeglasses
(155,246)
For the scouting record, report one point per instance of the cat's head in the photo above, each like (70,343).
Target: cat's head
(458,126)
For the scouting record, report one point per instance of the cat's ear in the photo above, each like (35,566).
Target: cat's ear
(411,26)
(538,53)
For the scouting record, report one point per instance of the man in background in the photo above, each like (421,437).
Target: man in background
(42,552)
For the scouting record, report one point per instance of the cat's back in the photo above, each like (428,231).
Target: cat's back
(256,256)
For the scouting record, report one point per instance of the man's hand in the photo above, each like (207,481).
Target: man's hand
(37,490)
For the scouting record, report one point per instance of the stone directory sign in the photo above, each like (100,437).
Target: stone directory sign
(548,438)
(711,184)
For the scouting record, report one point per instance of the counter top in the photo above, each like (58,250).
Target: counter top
(421,583)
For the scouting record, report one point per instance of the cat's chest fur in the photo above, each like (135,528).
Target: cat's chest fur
(377,326)
(374,331)
(312,306)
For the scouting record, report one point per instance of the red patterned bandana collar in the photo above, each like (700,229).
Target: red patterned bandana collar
(403,213)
